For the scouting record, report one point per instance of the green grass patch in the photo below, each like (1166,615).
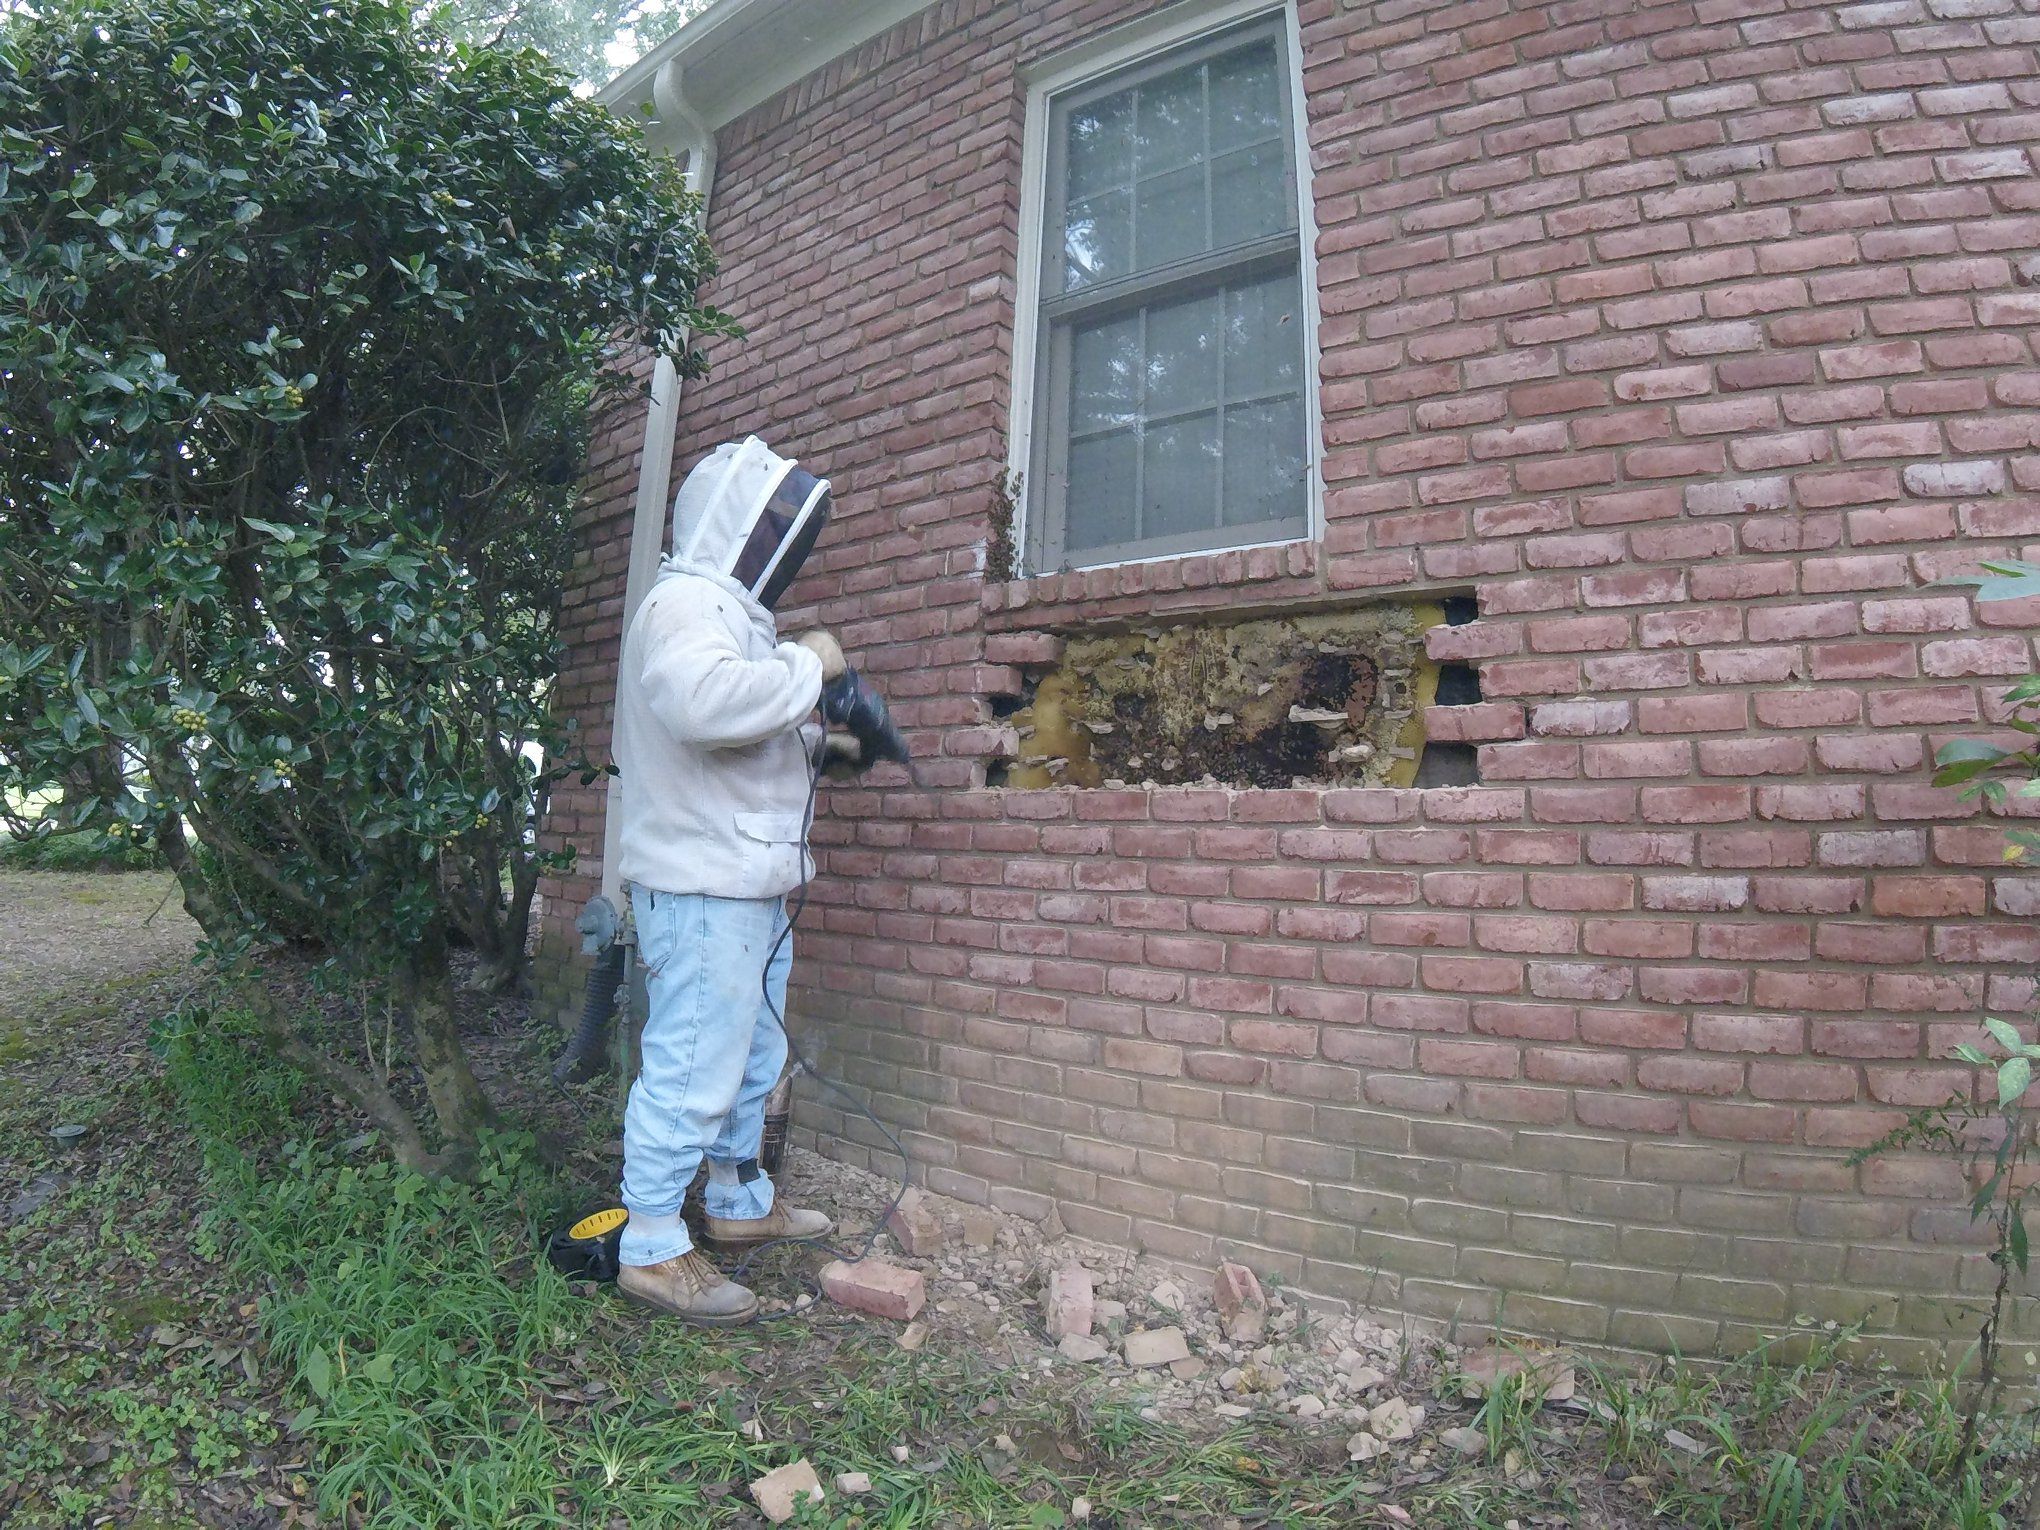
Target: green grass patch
(447,1375)
(76,851)
(1791,1437)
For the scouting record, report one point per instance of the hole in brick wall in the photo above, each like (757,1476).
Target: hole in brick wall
(1325,698)
(1005,706)
(1458,685)
(1448,762)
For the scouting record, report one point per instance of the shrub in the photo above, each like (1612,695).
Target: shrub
(302,314)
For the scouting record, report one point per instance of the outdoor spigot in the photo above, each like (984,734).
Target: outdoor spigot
(598,924)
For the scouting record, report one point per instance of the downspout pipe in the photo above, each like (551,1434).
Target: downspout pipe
(605,927)
(655,469)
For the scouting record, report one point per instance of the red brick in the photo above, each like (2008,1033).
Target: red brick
(1927,897)
(873,1286)
(1695,804)
(1689,1075)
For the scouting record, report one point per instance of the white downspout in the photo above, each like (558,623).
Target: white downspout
(655,463)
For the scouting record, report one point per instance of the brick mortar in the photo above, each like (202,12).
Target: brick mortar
(1697,341)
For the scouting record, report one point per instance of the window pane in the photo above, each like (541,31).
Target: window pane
(1249,196)
(1265,468)
(1168,122)
(1105,387)
(1101,492)
(1183,413)
(1098,240)
(1101,146)
(1180,477)
(1246,100)
(1264,337)
(1169,219)
(1182,356)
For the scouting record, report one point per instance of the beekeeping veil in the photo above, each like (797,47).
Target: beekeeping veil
(751,514)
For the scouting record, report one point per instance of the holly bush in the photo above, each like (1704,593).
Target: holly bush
(304,312)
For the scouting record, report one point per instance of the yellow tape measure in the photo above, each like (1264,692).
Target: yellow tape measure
(600,1224)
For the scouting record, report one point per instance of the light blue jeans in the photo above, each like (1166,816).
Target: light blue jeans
(712,1052)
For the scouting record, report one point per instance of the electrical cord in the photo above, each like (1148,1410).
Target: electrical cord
(807,1064)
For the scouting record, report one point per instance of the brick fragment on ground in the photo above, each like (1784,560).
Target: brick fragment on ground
(1071,1302)
(1364,1447)
(1395,1420)
(1155,1346)
(1081,1347)
(980,1227)
(1242,1309)
(914,1226)
(874,1286)
(1468,1442)
(1549,1376)
(779,1492)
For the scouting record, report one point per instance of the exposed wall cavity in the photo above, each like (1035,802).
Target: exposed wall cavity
(1329,698)
(1451,763)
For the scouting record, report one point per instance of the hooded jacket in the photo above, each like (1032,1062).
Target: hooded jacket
(712,760)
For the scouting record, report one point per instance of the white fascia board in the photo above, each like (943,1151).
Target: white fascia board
(739,53)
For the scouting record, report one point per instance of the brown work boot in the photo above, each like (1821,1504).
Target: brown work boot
(781,1221)
(688,1287)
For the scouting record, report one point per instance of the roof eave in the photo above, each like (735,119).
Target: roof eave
(738,53)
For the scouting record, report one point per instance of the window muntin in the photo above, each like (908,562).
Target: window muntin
(1173,394)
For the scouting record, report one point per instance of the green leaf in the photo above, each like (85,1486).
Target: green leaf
(1979,1203)
(2015,1235)
(1960,749)
(319,1374)
(282,533)
(2013,1078)
(380,1369)
(2005,1034)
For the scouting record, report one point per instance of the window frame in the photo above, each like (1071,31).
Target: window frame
(1120,59)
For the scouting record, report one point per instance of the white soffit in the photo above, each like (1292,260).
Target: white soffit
(738,53)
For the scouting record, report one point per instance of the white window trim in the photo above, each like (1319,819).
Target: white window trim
(1112,51)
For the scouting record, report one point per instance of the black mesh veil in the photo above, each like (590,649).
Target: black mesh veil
(782,537)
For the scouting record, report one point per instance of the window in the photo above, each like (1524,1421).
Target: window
(1171,411)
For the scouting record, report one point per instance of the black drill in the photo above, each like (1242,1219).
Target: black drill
(849,703)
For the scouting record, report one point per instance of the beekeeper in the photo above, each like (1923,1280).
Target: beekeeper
(715,753)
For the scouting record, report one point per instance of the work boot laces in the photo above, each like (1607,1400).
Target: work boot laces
(697,1271)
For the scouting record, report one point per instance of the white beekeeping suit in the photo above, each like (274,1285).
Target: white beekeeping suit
(713,764)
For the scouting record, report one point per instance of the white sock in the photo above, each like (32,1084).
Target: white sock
(651,1227)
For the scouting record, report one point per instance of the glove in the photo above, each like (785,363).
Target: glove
(827,649)
(842,755)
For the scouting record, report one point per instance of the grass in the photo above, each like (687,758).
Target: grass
(78,851)
(1774,1443)
(227,1298)
(449,1376)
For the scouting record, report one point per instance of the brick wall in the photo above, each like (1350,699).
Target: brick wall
(1694,339)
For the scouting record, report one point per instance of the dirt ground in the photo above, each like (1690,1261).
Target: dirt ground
(137,1386)
(67,938)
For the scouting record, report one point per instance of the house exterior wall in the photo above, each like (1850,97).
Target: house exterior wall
(1693,339)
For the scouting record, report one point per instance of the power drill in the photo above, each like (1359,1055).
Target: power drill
(849,703)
